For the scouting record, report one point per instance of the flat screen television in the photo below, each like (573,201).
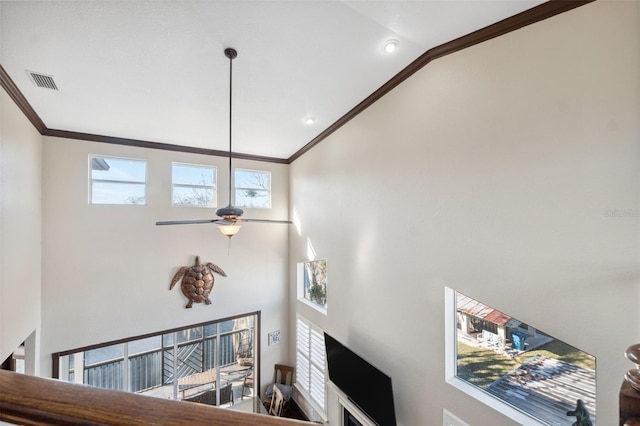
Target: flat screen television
(365,386)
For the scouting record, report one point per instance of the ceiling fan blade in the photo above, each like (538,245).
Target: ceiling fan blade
(266,221)
(186,222)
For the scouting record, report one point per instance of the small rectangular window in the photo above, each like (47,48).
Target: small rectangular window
(193,185)
(253,188)
(117,180)
(312,284)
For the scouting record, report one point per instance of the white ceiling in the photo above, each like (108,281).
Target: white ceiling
(156,71)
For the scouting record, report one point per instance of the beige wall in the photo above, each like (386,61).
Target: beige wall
(107,269)
(497,171)
(20,237)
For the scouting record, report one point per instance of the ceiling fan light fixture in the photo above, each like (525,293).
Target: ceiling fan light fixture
(229,230)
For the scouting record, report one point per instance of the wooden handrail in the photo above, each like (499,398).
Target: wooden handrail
(29,400)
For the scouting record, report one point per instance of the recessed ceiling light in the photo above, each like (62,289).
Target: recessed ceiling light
(310,120)
(390,45)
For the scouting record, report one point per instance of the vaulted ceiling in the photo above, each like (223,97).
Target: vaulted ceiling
(155,70)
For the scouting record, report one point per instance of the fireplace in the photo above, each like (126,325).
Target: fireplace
(346,413)
(349,419)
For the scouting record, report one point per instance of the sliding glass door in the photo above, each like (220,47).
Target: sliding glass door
(207,363)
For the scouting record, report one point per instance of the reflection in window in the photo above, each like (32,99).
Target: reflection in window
(193,185)
(117,180)
(518,365)
(253,188)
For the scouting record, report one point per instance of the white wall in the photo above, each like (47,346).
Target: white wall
(107,269)
(497,171)
(20,222)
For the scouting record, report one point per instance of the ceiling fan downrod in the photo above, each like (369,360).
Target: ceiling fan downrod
(230,212)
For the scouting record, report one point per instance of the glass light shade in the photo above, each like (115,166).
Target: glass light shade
(229,230)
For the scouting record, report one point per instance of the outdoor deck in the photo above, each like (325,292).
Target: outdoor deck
(549,388)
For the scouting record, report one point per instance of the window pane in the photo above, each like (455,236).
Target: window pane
(144,345)
(252,198)
(103,367)
(520,365)
(226,326)
(252,188)
(117,193)
(185,174)
(118,169)
(189,334)
(210,330)
(117,180)
(314,285)
(253,179)
(192,196)
(108,353)
(193,185)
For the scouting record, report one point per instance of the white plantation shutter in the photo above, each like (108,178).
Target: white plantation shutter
(316,379)
(302,355)
(310,362)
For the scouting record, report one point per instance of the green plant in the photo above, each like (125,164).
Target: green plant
(318,294)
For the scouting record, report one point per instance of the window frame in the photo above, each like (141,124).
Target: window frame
(237,188)
(214,187)
(91,180)
(310,385)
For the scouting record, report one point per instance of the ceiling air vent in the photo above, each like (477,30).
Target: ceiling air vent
(42,80)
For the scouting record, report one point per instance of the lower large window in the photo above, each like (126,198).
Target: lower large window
(205,363)
(511,366)
(310,363)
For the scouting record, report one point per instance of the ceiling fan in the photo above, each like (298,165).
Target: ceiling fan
(229,217)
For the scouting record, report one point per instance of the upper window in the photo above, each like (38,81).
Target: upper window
(193,185)
(117,180)
(253,188)
(310,363)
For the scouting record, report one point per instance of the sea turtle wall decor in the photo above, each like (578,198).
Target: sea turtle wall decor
(197,281)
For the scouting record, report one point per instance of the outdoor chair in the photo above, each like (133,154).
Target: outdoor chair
(247,382)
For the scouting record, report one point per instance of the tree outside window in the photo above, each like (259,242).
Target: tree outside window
(315,282)
(252,188)
(193,185)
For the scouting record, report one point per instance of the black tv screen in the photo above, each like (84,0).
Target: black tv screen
(366,386)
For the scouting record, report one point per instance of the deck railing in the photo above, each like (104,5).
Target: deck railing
(147,369)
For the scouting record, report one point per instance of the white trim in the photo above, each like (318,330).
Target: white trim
(449,419)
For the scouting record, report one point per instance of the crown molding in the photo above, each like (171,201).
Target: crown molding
(158,145)
(17,96)
(515,22)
